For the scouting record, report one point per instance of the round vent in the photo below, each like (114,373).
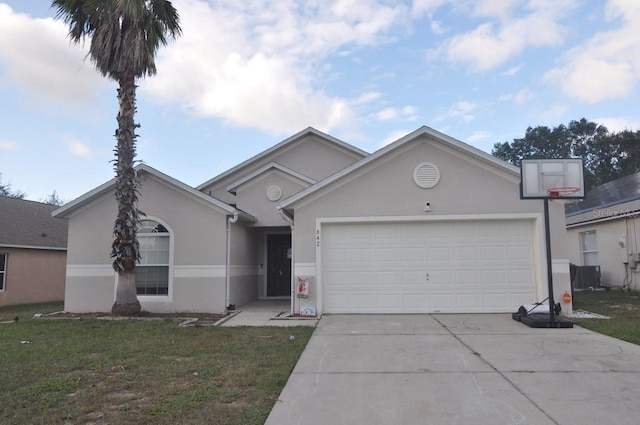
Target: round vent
(273,193)
(426,175)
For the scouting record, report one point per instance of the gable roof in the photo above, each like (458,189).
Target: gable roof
(28,224)
(615,199)
(281,145)
(422,131)
(272,165)
(109,186)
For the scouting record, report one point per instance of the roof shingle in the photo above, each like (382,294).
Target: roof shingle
(30,224)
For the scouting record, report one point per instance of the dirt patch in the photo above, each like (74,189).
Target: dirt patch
(628,307)
(185,319)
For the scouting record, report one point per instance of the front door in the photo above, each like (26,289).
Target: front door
(278,265)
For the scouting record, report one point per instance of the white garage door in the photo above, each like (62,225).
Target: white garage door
(428,267)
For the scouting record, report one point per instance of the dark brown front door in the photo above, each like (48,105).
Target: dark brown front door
(278,265)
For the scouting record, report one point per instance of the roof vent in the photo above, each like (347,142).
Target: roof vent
(426,175)
(274,193)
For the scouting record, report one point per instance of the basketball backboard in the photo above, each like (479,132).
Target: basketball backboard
(552,179)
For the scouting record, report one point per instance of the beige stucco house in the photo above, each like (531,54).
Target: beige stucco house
(604,230)
(425,224)
(33,251)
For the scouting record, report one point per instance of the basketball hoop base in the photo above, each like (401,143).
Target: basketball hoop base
(542,320)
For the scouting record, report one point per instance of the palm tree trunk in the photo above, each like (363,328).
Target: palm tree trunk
(125,248)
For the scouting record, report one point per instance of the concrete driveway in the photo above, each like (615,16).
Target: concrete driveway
(459,369)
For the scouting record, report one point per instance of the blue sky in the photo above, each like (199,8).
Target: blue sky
(247,74)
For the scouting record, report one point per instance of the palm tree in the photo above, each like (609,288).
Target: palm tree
(125,36)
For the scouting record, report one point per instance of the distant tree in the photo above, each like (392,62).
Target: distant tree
(125,36)
(607,156)
(52,199)
(628,160)
(6,190)
(538,142)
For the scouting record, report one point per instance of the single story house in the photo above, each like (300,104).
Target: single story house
(33,252)
(426,224)
(604,230)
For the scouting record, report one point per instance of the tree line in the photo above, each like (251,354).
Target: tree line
(607,155)
(7,190)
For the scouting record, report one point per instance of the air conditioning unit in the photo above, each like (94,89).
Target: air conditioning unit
(585,277)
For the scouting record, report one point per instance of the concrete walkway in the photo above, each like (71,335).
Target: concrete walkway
(266,313)
(459,369)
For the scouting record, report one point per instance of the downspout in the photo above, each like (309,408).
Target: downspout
(230,220)
(289,220)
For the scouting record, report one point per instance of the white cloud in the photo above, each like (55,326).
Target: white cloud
(511,71)
(258,64)
(478,136)
(494,42)
(38,57)
(7,145)
(366,98)
(393,136)
(387,114)
(75,146)
(501,9)
(608,65)
(520,98)
(426,7)
(436,28)
(617,124)
(553,113)
(407,113)
(460,110)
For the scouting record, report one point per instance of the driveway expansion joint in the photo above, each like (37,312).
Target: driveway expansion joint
(485,361)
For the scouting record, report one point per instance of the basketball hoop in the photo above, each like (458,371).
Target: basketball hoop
(557,192)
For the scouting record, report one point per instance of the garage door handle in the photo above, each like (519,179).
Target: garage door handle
(427,276)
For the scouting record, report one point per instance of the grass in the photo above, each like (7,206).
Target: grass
(64,371)
(622,307)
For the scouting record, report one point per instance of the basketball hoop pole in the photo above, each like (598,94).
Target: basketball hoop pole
(547,233)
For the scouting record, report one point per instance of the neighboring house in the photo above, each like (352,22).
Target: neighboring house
(33,252)
(425,224)
(604,230)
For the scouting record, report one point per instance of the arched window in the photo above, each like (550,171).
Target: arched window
(152,273)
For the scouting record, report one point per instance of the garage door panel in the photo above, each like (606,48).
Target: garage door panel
(358,255)
(415,278)
(521,277)
(435,254)
(437,277)
(466,276)
(498,277)
(475,266)
(469,301)
(387,255)
(465,253)
(388,277)
(414,255)
(338,255)
(492,253)
(519,252)
(442,302)
(415,302)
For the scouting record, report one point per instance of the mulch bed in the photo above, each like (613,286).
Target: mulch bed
(187,319)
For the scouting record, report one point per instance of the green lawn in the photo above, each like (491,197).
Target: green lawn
(622,307)
(64,371)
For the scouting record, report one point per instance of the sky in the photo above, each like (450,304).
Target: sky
(246,75)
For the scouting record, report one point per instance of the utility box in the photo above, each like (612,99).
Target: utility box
(585,277)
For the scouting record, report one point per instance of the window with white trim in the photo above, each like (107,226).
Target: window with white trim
(589,247)
(152,273)
(3,271)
